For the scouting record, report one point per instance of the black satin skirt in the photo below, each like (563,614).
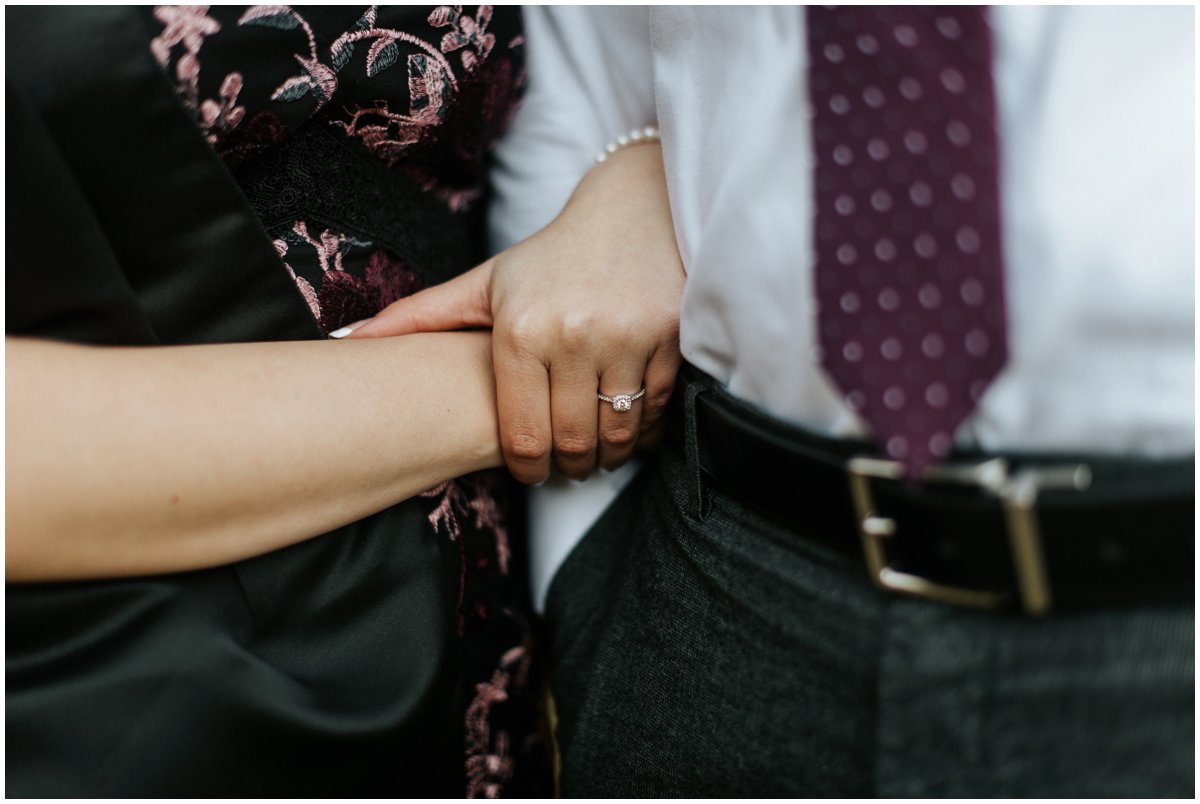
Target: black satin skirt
(326,669)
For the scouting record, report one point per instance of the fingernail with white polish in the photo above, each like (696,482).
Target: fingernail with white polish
(346,330)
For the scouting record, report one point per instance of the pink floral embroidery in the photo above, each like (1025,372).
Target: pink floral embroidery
(386,134)
(306,289)
(449,116)
(462,498)
(384,50)
(345,297)
(315,78)
(252,137)
(444,518)
(457,199)
(489,760)
(488,517)
(329,248)
(469,499)
(431,86)
(218,119)
(186,25)
(300,228)
(190,26)
(465,32)
(482,110)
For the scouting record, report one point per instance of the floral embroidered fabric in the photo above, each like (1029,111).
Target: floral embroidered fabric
(360,139)
(425,92)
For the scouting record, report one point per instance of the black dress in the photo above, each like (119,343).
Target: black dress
(194,175)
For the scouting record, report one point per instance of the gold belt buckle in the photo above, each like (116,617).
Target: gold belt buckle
(1017,494)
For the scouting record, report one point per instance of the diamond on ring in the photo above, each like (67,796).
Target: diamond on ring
(622,403)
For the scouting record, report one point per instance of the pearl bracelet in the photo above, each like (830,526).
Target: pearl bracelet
(647,134)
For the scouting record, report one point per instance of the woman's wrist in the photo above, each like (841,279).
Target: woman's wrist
(452,420)
(630,178)
(478,388)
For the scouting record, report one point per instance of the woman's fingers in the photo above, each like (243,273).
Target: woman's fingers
(620,420)
(660,382)
(522,407)
(461,303)
(640,426)
(651,437)
(573,418)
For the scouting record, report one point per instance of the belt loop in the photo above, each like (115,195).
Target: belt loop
(697,501)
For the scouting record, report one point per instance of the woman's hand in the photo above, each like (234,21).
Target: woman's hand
(589,304)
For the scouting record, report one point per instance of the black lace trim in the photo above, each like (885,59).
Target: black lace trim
(317,177)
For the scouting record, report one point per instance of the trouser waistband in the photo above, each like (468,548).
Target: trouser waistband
(990,530)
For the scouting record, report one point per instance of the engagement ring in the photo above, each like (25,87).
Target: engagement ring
(622,402)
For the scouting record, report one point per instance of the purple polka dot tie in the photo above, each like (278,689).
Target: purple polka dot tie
(908,271)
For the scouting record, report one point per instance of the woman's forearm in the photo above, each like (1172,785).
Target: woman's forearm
(126,461)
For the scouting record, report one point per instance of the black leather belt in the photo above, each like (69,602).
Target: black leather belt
(984,530)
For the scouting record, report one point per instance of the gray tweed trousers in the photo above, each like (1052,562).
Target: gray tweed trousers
(703,651)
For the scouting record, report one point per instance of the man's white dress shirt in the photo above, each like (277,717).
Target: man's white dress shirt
(1096,115)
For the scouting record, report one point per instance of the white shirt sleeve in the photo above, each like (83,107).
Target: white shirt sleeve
(589,81)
